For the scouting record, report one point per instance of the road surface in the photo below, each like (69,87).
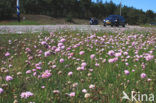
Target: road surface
(12,29)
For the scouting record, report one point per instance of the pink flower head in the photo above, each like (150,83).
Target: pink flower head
(126,72)
(70,73)
(46,74)
(47,53)
(84,91)
(28,71)
(62,40)
(53,66)
(28,49)
(72,94)
(42,87)
(56,91)
(92,86)
(38,68)
(118,54)
(84,64)
(61,60)
(58,49)
(81,52)
(60,44)
(26,95)
(149,57)
(9,78)
(71,54)
(125,53)
(53,47)
(7,54)
(1,90)
(92,56)
(143,75)
(149,79)
(43,43)
(112,60)
(111,53)
(97,64)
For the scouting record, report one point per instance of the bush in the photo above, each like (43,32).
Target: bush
(69,18)
(7,8)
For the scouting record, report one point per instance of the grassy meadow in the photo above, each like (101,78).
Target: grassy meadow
(77,67)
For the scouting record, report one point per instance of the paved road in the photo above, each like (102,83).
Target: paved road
(51,28)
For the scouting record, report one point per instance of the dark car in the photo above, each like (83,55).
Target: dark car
(93,21)
(114,20)
(152,23)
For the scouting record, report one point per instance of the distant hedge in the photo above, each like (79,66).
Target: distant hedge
(7,8)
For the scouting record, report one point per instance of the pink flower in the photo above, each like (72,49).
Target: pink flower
(62,40)
(43,87)
(72,94)
(126,72)
(143,75)
(149,57)
(78,68)
(97,64)
(34,74)
(53,66)
(56,91)
(92,86)
(61,60)
(112,60)
(7,54)
(57,49)
(9,78)
(28,71)
(53,48)
(82,68)
(87,95)
(84,91)
(118,54)
(111,53)
(26,95)
(126,64)
(38,68)
(75,85)
(28,49)
(149,79)
(84,64)
(60,44)
(43,43)
(71,54)
(46,74)
(81,52)
(1,90)
(70,73)
(125,53)
(47,53)
(92,56)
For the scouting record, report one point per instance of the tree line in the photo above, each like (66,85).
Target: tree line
(83,9)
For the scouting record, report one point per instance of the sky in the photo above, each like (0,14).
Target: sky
(138,4)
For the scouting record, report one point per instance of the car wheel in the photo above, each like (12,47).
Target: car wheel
(104,24)
(111,25)
(123,25)
(117,25)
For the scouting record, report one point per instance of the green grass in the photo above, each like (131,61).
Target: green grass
(109,78)
(25,22)
(147,25)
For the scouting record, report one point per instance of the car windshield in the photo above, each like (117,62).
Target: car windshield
(112,16)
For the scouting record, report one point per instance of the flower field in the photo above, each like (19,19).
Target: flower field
(76,67)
